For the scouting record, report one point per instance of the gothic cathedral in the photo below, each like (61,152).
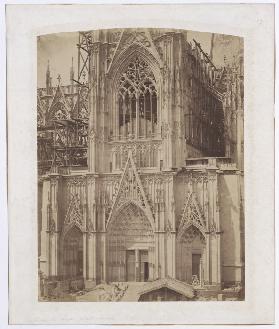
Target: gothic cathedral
(140,165)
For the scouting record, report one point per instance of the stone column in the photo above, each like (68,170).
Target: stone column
(44,258)
(137,264)
(53,227)
(214,231)
(91,232)
(84,272)
(93,105)
(90,259)
(167,101)
(137,116)
(105,252)
(162,240)
(239,138)
(207,276)
(201,272)
(156,242)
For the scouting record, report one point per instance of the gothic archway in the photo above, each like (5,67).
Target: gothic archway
(191,242)
(130,245)
(73,253)
(190,255)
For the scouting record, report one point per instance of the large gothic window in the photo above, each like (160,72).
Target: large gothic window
(137,101)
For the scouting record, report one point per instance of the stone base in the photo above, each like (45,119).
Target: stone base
(89,284)
(214,287)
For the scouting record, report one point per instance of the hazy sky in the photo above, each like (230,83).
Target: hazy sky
(59,49)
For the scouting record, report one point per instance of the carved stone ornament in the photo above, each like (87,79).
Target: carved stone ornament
(90,226)
(195,178)
(92,134)
(212,230)
(130,189)
(52,225)
(74,216)
(130,37)
(76,181)
(165,130)
(169,228)
(191,216)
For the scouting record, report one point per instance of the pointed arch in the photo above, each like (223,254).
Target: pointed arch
(130,191)
(130,42)
(72,252)
(135,96)
(59,105)
(133,210)
(129,233)
(121,60)
(125,205)
(191,216)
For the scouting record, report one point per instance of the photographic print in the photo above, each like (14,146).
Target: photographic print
(140,157)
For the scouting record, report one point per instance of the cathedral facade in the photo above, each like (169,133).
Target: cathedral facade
(141,165)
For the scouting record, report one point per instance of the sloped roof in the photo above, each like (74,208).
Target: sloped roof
(170,283)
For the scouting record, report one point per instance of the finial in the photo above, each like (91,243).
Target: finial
(225,59)
(59,79)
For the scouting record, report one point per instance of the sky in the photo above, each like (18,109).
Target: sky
(60,48)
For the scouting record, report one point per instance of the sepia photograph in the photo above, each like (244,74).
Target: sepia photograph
(140,166)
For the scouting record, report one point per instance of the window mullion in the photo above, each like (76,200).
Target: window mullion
(124,117)
(151,114)
(137,115)
(144,115)
(130,113)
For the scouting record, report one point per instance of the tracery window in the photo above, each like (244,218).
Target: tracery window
(137,101)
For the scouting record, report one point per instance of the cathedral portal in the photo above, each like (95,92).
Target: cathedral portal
(130,245)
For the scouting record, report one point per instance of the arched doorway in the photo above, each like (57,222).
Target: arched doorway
(73,253)
(190,255)
(130,251)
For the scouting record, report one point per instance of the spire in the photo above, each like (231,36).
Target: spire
(48,71)
(72,73)
(211,46)
(59,79)
(48,79)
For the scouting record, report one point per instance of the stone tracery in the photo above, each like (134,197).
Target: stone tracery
(191,216)
(73,217)
(128,78)
(128,228)
(137,101)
